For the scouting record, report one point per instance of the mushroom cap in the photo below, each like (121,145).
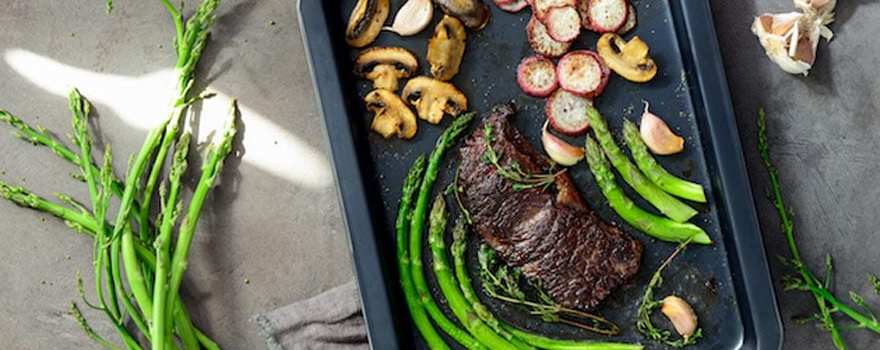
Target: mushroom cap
(434,98)
(402,59)
(628,59)
(366,21)
(392,115)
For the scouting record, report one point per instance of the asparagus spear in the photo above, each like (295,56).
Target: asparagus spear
(648,165)
(826,301)
(417,225)
(668,205)
(460,307)
(459,248)
(653,225)
(420,317)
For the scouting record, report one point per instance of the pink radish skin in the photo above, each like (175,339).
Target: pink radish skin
(631,21)
(512,6)
(604,16)
(563,23)
(582,73)
(536,76)
(567,112)
(542,42)
(542,7)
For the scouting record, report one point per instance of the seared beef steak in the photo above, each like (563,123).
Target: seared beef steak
(550,234)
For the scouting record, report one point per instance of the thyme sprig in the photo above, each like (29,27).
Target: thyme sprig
(512,171)
(827,303)
(649,305)
(502,282)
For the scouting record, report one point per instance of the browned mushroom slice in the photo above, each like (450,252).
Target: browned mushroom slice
(385,66)
(434,98)
(366,21)
(473,13)
(446,48)
(628,59)
(392,115)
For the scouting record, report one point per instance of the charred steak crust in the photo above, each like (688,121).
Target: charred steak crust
(550,234)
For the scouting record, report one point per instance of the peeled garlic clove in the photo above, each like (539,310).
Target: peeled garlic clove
(413,17)
(560,151)
(681,314)
(657,135)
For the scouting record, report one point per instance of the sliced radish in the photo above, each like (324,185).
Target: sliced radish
(631,20)
(542,7)
(536,76)
(582,73)
(567,112)
(512,6)
(542,42)
(604,16)
(563,23)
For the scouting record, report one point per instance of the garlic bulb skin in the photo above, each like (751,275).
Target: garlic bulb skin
(791,39)
(413,17)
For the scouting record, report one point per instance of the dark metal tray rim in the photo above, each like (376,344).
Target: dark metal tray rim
(758,304)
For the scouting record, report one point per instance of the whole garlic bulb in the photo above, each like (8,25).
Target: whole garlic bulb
(791,39)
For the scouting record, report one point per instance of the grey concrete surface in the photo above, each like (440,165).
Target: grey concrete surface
(271,237)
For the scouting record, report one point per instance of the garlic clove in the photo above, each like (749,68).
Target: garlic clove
(657,135)
(413,17)
(560,151)
(681,314)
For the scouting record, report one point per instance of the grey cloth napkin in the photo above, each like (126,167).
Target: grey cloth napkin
(331,320)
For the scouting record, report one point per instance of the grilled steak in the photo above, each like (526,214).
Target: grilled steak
(550,233)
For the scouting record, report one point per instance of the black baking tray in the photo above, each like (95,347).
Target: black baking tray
(728,283)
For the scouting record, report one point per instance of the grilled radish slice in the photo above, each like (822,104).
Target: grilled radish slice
(542,42)
(582,73)
(563,23)
(512,6)
(542,7)
(567,112)
(536,76)
(631,21)
(604,16)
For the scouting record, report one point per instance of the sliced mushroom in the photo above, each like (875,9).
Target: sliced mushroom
(366,21)
(393,116)
(385,66)
(446,48)
(473,13)
(434,98)
(628,59)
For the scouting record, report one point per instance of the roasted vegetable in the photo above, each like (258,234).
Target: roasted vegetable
(449,287)
(366,21)
(416,310)
(393,116)
(385,66)
(473,13)
(668,205)
(536,76)
(446,48)
(648,165)
(652,225)
(417,226)
(434,98)
(628,59)
(412,17)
